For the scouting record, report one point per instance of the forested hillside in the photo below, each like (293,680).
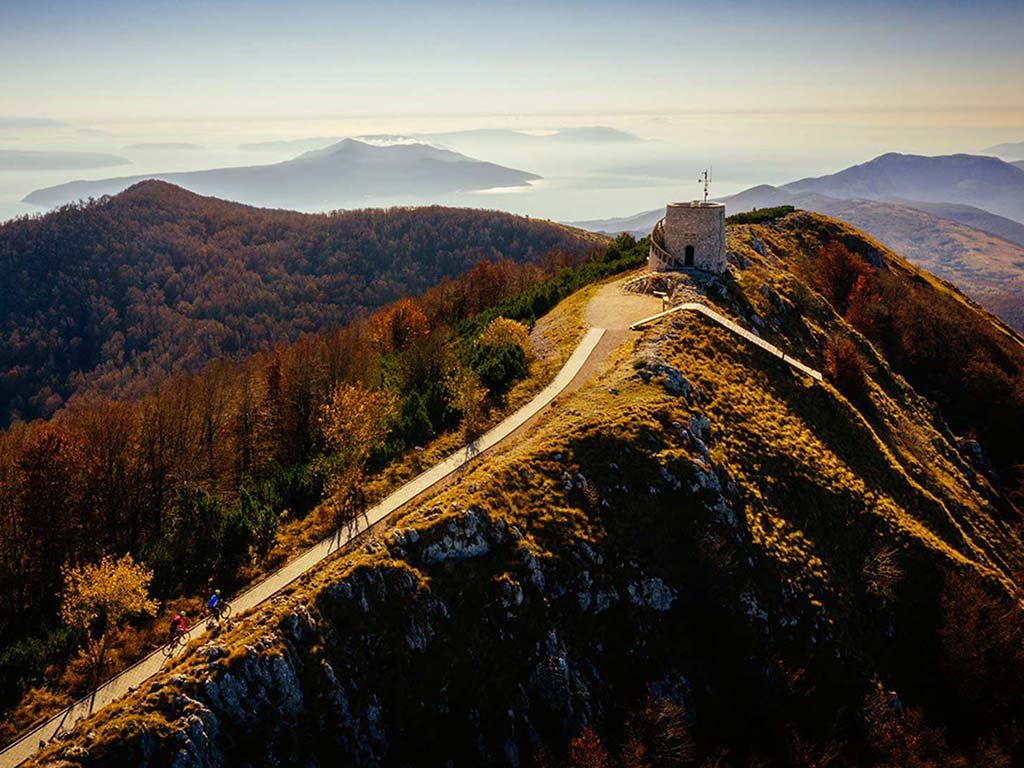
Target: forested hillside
(113,294)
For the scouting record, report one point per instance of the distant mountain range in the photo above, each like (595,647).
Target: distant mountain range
(1012,151)
(42,160)
(983,182)
(347,174)
(19,122)
(594,134)
(979,251)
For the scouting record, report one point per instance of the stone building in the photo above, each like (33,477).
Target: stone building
(691,236)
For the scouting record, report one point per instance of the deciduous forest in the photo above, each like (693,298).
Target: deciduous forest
(114,294)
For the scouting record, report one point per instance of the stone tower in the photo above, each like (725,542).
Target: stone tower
(691,236)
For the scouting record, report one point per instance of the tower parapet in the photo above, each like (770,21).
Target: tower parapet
(691,236)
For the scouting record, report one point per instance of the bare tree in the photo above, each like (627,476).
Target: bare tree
(882,572)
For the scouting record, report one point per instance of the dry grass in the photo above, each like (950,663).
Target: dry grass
(36,706)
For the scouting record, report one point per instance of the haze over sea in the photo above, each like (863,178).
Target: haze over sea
(580,180)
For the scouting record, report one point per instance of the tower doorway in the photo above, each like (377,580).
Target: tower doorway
(688,256)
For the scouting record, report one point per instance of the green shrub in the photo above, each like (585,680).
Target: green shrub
(23,663)
(414,420)
(761,215)
(499,366)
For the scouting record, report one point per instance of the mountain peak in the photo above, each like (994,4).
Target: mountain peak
(978,180)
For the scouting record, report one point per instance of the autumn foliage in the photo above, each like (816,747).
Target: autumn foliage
(98,598)
(588,751)
(957,358)
(845,368)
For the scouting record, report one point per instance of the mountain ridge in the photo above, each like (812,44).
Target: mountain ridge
(1011,150)
(980,251)
(981,181)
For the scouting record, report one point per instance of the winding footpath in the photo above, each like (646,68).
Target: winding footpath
(610,313)
(129,679)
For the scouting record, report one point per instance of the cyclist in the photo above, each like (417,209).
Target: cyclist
(215,604)
(178,626)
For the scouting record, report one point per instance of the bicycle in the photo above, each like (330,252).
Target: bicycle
(178,640)
(222,613)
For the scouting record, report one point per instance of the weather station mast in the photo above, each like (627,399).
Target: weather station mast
(705,179)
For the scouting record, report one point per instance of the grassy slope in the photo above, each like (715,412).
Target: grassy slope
(985,266)
(760,522)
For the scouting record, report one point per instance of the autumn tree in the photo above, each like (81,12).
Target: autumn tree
(398,325)
(982,648)
(468,395)
(54,502)
(845,368)
(837,273)
(882,572)
(588,751)
(98,599)
(501,331)
(904,739)
(354,421)
(657,735)
(251,427)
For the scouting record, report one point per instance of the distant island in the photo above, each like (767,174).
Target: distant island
(1012,151)
(164,145)
(594,134)
(348,174)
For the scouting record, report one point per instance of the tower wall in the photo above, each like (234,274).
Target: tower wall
(700,225)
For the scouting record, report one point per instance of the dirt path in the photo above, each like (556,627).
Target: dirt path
(609,314)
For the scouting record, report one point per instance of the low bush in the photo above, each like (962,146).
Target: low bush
(761,215)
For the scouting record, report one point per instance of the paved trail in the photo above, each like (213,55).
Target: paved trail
(693,306)
(610,313)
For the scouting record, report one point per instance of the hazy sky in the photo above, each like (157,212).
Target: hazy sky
(96,61)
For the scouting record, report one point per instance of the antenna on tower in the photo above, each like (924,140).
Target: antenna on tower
(705,178)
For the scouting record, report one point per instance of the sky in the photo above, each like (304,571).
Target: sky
(765,92)
(99,61)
